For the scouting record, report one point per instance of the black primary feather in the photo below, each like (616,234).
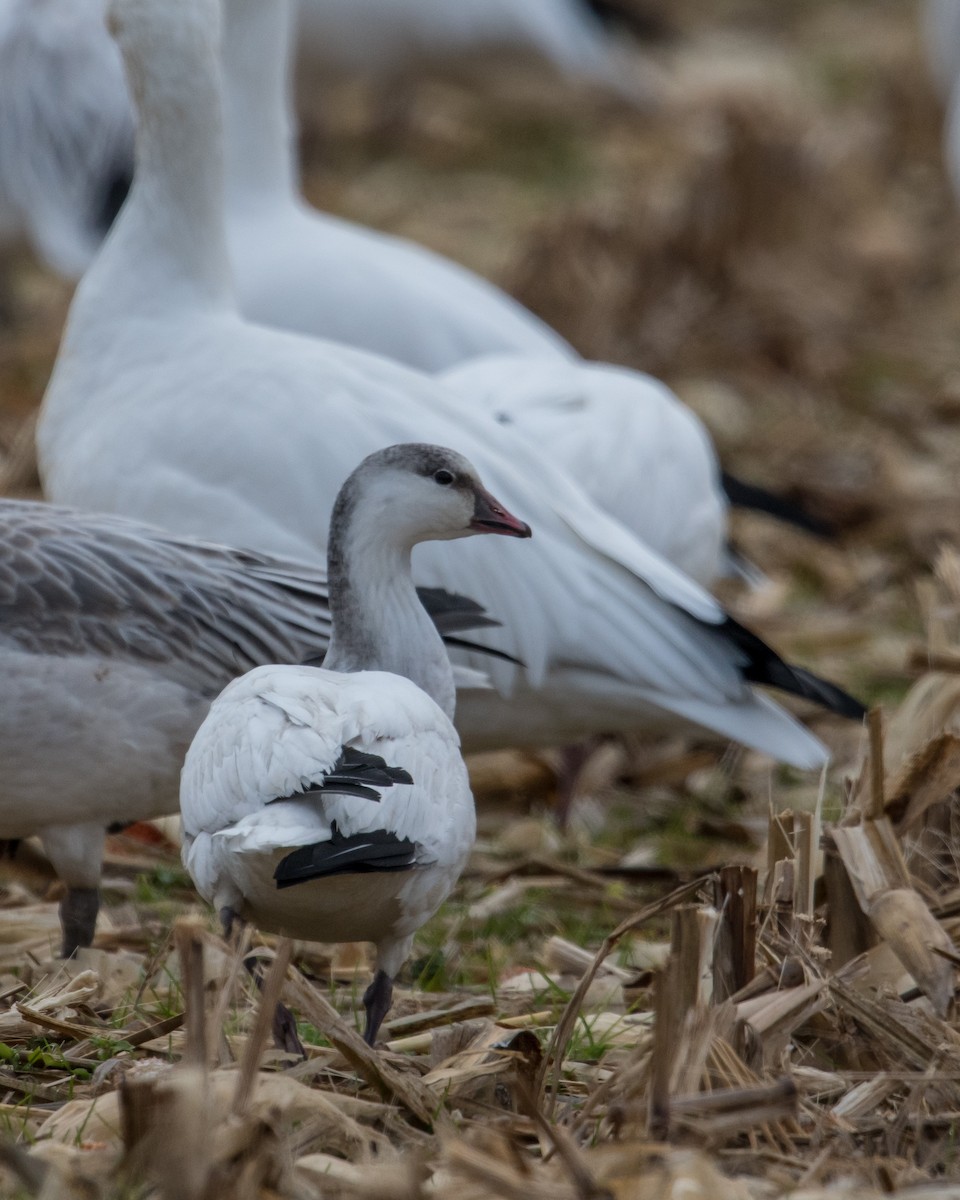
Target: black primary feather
(460,643)
(646,22)
(764,665)
(757,499)
(453,613)
(355,773)
(377,850)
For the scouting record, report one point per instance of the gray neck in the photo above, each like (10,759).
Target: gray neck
(379,623)
(167,249)
(260,132)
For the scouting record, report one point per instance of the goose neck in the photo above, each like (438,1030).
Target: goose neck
(259,125)
(168,247)
(378,620)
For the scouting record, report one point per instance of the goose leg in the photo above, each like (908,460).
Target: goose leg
(285,1036)
(573,759)
(377,1000)
(78,918)
(76,854)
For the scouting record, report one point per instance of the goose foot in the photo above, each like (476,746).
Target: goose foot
(377,1000)
(285,1036)
(78,918)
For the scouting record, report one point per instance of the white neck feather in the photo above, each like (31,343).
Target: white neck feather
(167,250)
(260,131)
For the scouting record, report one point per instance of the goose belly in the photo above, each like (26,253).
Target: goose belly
(370,906)
(89,739)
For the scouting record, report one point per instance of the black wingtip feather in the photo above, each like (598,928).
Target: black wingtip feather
(355,773)
(465,644)
(376,850)
(764,665)
(757,499)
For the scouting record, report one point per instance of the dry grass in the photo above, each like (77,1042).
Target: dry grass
(725,981)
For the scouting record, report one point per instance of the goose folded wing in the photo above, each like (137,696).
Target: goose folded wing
(355,773)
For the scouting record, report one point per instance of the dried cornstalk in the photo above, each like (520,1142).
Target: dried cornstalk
(881,882)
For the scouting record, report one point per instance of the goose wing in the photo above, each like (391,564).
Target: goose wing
(74,583)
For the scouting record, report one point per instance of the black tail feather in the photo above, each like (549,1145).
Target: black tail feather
(764,665)
(376,850)
(757,499)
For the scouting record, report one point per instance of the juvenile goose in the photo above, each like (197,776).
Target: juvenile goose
(166,404)
(333,804)
(114,638)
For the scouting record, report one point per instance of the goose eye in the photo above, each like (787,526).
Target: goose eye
(443,477)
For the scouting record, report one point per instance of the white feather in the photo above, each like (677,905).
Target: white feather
(165,403)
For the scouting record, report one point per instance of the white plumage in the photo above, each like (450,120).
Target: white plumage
(309,272)
(163,402)
(306,271)
(278,827)
(66,130)
(941,27)
(275,732)
(640,454)
(637,451)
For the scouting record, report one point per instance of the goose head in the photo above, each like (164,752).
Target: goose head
(415,492)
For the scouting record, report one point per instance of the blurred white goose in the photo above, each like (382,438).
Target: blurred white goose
(285,819)
(114,638)
(66,129)
(303,270)
(941,22)
(309,272)
(165,403)
(378,36)
(637,451)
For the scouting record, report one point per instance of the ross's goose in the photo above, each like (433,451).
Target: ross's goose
(333,804)
(114,638)
(379,36)
(166,404)
(66,130)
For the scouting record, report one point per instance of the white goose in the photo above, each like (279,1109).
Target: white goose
(286,816)
(312,273)
(639,453)
(165,403)
(303,270)
(114,638)
(941,22)
(66,130)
